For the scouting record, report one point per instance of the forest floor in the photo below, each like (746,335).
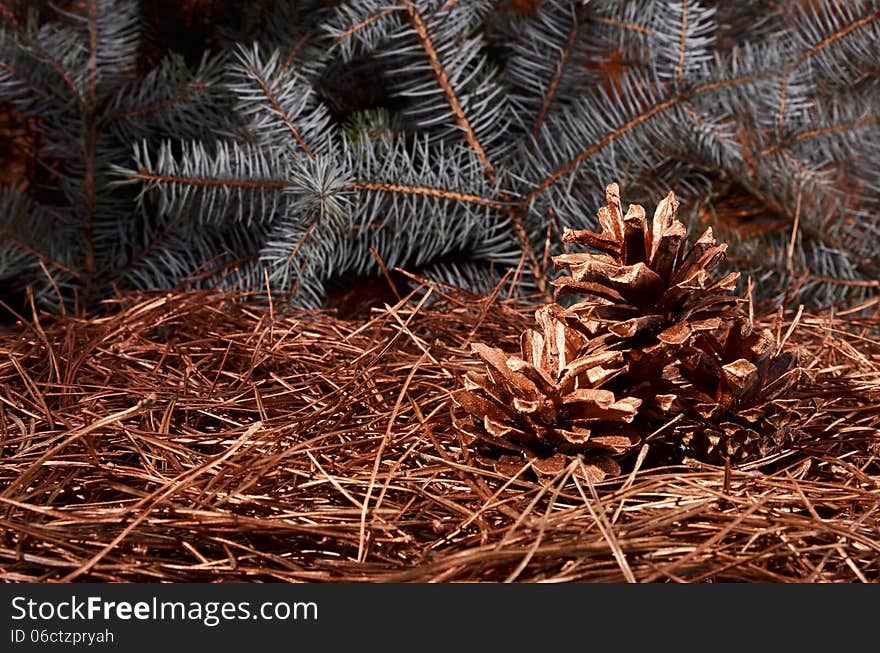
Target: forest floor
(201,436)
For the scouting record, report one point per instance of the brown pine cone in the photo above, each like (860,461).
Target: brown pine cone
(643,281)
(548,403)
(733,399)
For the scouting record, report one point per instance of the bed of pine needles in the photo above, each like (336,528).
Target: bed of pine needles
(202,436)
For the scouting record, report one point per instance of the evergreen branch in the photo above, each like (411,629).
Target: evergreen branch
(818,48)
(89,182)
(288,60)
(525,242)
(838,35)
(279,103)
(302,240)
(564,56)
(222,184)
(25,81)
(780,112)
(412,200)
(341,36)
(204,182)
(135,114)
(682,42)
(181,258)
(439,193)
(141,255)
(173,98)
(723,142)
(685,36)
(865,121)
(871,269)
(276,106)
(93,49)
(25,228)
(470,136)
(484,127)
(443,80)
(633,27)
(59,70)
(805,172)
(7,236)
(628,126)
(109,30)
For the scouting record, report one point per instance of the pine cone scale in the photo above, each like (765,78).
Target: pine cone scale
(496,359)
(634,246)
(663,260)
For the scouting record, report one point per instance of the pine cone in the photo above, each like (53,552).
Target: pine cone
(643,282)
(548,403)
(734,402)
(658,342)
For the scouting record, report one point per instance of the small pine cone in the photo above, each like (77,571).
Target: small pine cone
(548,403)
(734,441)
(733,401)
(643,281)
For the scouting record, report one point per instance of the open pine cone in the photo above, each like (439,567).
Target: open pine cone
(644,280)
(548,403)
(658,342)
(733,400)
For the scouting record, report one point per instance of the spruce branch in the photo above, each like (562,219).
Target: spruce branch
(204,182)
(172,98)
(470,136)
(90,121)
(183,95)
(441,193)
(341,36)
(651,111)
(75,78)
(277,102)
(628,113)
(211,184)
(563,61)
(443,81)
(450,137)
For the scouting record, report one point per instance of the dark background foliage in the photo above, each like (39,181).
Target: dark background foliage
(178,166)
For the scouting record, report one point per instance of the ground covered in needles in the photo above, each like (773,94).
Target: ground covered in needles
(200,436)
